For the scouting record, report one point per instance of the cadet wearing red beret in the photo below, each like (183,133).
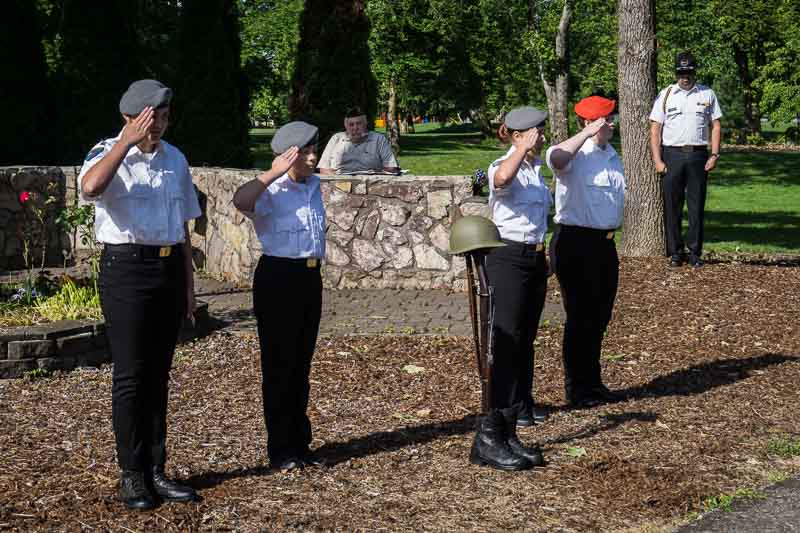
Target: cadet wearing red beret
(590,191)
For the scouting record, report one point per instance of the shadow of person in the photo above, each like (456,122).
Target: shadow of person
(703,377)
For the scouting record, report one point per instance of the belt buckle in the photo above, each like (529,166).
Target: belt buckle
(164,251)
(610,235)
(687,148)
(540,247)
(312,262)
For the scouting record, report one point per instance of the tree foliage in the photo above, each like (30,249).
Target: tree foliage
(332,70)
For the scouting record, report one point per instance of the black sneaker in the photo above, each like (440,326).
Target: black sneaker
(695,261)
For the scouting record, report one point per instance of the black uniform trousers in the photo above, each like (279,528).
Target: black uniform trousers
(518,276)
(685,179)
(287,301)
(143,297)
(587,268)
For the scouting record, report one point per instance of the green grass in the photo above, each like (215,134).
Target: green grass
(785,447)
(753,203)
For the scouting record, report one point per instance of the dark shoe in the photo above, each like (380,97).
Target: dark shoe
(133,491)
(581,399)
(530,416)
(309,458)
(288,464)
(695,261)
(171,491)
(532,454)
(676,260)
(490,447)
(604,395)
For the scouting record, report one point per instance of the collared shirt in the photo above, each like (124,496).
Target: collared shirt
(590,190)
(147,201)
(371,154)
(289,218)
(688,115)
(519,210)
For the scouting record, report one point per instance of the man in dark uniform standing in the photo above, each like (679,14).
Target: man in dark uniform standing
(681,118)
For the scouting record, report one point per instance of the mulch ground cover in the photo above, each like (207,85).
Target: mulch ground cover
(709,358)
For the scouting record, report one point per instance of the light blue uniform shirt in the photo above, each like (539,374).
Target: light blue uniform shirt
(590,190)
(519,210)
(148,199)
(289,218)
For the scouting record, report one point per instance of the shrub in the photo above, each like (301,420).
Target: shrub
(71,302)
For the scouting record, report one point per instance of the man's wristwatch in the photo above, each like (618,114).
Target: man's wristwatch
(715,155)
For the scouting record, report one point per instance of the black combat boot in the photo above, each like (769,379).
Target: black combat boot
(532,454)
(490,446)
(170,490)
(133,491)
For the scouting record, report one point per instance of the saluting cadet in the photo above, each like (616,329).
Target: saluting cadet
(519,201)
(143,196)
(285,204)
(680,121)
(590,191)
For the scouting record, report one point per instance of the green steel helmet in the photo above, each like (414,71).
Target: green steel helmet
(472,233)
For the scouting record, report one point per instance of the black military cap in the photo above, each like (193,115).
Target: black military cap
(295,133)
(144,93)
(685,63)
(524,118)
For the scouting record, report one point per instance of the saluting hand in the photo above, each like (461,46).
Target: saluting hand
(284,162)
(136,129)
(596,125)
(528,140)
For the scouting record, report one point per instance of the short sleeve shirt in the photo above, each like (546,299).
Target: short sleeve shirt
(590,190)
(687,115)
(371,154)
(289,218)
(519,210)
(149,198)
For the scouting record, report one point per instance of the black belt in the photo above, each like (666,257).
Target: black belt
(689,148)
(599,233)
(308,262)
(533,247)
(145,251)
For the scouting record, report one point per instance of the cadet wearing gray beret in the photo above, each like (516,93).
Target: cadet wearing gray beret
(144,93)
(524,118)
(295,133)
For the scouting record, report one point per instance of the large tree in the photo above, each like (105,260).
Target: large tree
(97,59)
(209,115)
(332,71)
(636,63)
(27,135)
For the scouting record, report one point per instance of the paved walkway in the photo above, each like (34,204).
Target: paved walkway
(360,312)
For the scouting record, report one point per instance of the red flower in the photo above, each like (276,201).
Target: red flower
(24,196)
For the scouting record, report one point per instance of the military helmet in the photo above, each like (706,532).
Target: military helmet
(472,233)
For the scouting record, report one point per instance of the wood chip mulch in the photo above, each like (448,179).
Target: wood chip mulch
(710,359)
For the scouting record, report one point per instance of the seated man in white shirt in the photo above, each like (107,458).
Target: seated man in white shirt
(357,150)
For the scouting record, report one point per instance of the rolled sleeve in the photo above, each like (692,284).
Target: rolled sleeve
(657,113)
(549,160)
(94,156)
(716,111)
(190,193)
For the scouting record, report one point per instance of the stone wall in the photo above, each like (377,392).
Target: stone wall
(383,232)
(15,180)
(68,344)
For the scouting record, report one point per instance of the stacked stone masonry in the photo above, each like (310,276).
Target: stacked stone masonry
(383,232)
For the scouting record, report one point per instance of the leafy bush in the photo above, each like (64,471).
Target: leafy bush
(71,302)
(755,139)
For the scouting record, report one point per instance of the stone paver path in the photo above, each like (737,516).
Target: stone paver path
(360,312)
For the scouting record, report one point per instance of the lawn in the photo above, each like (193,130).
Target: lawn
(753,198)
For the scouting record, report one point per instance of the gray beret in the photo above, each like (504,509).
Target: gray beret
(144,93)
(295,133)
(524,118)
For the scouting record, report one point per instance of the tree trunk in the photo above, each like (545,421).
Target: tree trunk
(556,84)
(643,233)
(391,118)
(751,116)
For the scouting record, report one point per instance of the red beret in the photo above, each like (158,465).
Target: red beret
(594,107)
